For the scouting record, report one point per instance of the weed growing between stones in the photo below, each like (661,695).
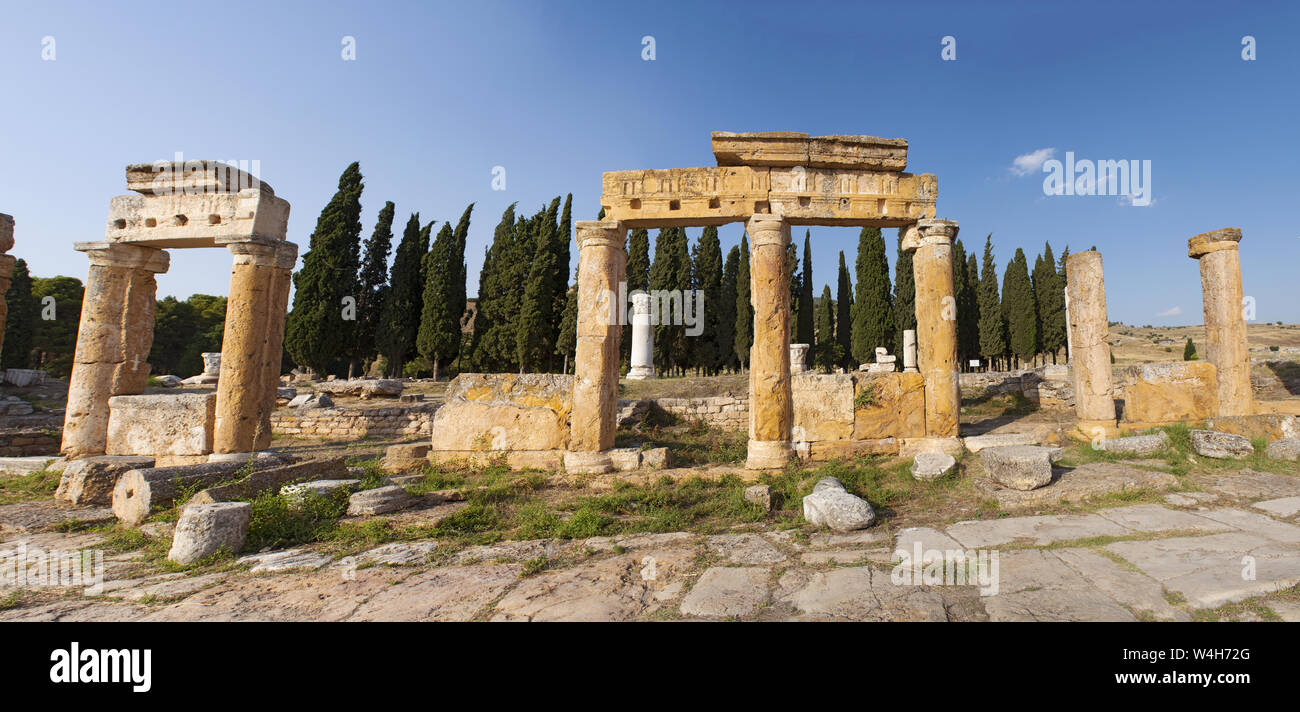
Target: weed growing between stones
(28,487)
(278,521)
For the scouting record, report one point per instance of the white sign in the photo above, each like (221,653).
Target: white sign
(975,362)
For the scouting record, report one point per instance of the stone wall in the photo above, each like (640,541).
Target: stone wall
(731,412)
(25,442)
(842,415)
(391,422)
(1048,387)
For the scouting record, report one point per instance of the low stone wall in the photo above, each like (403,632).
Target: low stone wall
(26,442)
(1050,387)
(392,422)
(719,411)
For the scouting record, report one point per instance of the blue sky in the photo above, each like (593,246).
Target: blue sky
(557,93)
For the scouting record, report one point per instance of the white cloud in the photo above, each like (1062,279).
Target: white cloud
(1171,312)
(1028,163)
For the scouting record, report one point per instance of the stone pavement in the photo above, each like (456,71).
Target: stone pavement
(1138,562)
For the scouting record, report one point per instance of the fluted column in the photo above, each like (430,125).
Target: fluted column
(643,339)
(601,264)
(113,339)
(1089,331)
(771,409)
(251,345)
(1225,324)
(936,322)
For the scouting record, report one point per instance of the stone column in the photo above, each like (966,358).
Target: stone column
(601,264)
(909,351)
(930,243)
(771,407)
(798,358)
(643,339)
(1089,330)
(1225,325)
(251,345)
(7,263)
(113,339)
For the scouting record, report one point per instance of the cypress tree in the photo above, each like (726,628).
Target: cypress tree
(1189,351)
(373,284)
(1018,301)
(20,326)
(317,333)
(744,308)
(438,337)
(844,313)
(828,349)
(968,308)
(726,309)
(638,279)
(402,306)
(670,272)
(804,323)
(992,341)
(567,342)
(501,283)
(1049,290)
(460,297)
(709,349)
(533,343)
(796,290)
(904,296)
(873,312)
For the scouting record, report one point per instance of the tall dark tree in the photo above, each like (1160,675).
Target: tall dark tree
(1019,309)
(20,326)
(1049,291)
(438,336)
(505,273)
(744,307)
(828,349)
(671,273)
(567,342)
(638,279)
(796,288)
(804,326)
(709,350)
(726,309)
(844,313)
(873,312)
(317,331)
(904,295)
(59,300)
(372,285)
(966,284)
(460,297)
(993,342)
(404,300)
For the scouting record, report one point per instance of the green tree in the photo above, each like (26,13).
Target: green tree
(966,280)
(567,342)
(1189,351)
(1020,310)
(372,285)
(20,327)
(904,295)
(505,271)
(873,312)
(804,322)
(1049,293)
(726,309)
(844,313)
(710,350)
(638,279)
(460,297)
(438,336)
(55,340)
(403,305)
(993,342)
(317,331)
(670,273)
(744,308)
(828,350)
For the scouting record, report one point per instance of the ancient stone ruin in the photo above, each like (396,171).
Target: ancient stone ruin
(180,205)
(7,263)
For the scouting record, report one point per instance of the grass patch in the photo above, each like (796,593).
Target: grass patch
(10,600)
(278,521)
(694,444)
(28,487)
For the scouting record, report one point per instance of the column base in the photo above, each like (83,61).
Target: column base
(640,373)
(1089,430)
(768,454)
(588,463)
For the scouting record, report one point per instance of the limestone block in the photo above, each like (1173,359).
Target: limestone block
(406,457)
(844,449)
(141,491)
(24,377)
(155,425)
(362,388)
(760,495)
(6,232)
(1137,444)
(830,505)
(1170,392)
(794,148)
(1270,426)
(320,488)
(913,446)
(205,529)
(503,411)
(91,480)
(823,406)
(889,405)
(382,500)
(980,442)
(1021,467)
(1284,449)
(1210,443)
(932,465)
(265,480)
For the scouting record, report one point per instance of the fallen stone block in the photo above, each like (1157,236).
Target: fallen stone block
(381,500)
(330,468)
(656,458)
(830,505)
(311,400)
(1284,449)
(1210,443)
(1021,467)
(932,465)
(976,443)
(139,492)
(362,388)
(1137,444)
(158,425)
(91,480)
(206,529)
(169,381)
(760,495)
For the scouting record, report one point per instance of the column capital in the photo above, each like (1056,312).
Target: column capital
(767,229)
(935,230)
(115,254)
(279,254)
(1214,241)
(599,233)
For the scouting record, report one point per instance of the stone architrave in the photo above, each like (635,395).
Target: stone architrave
(771,410)
(643,339)
(252,344)
(1088,336)
(601,264)
(113,339)
(930,241)
(7,263)
(1225,323)
(909,351)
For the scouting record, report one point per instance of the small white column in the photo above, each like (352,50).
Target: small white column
(798,358)
(909,351)
(643,339)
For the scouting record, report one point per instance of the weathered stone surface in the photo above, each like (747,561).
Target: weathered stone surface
(1284,449)
(1080,484)
(727,592)
(1089,337)
(205,529)
(932,465)
(139,492)
(1136,591)
(914,446)
(1283,507)
(1225,322)
(1256,524)
(1155,518)
(745,549)
(593,395)
(975,443)
(1171,392)
(831,506)
(640,542)
(613,589)
(311,400)
(1221,445)
(1253,485)
(889,405)
(398,553)
(771,410)
(42,515)
(502,411)
(1207,570)
(405,457)
(1137,444)
(1021,467)
(285,560)
(931,243)
(1040,530)
(169,381)
(454,593)
(91,480)
(362,388)
(760,495)
(823,406)
(1039,586)
(381,500)
(864,594)
(793,148)
(1267,426)
(156,425)
(271,479)
(320,488)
